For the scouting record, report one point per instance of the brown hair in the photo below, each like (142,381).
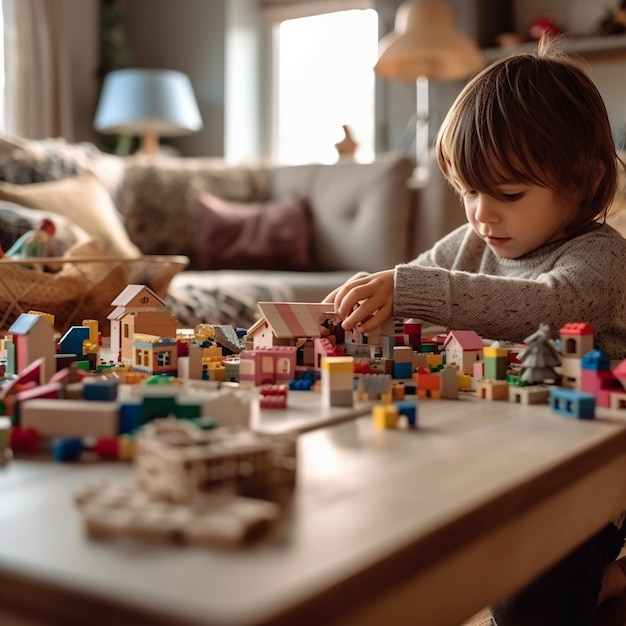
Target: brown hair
(535,118)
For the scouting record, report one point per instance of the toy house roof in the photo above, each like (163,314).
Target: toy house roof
(576,328)
(138,296)
(25,323)
(294,319)
(467,339)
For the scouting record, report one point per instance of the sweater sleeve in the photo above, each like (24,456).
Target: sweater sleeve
(578,281)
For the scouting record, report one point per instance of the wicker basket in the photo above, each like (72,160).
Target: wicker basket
(82,288)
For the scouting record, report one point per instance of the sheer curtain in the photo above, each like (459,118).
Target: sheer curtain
(38,101)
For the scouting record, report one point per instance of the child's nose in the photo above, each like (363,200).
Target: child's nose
(486,209)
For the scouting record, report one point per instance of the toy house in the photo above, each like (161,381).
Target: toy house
(576,340)
(287,323)
(33,338)
(155,355)
(138,310)
(267,365)
(463,348)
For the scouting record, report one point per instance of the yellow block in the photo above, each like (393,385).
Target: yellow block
(338,364)
(385,416)
(494,352)
(434,360)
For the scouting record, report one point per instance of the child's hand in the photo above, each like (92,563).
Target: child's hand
(365,302)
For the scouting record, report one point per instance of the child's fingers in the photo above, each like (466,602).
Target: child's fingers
(359,315)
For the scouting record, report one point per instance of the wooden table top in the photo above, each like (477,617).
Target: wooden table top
(421,526)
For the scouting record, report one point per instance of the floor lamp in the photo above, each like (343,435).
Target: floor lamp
(426,45)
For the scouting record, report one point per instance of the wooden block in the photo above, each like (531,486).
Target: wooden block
(67,418)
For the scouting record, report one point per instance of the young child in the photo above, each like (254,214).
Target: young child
(529,148)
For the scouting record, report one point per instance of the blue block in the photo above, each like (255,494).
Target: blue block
(101,389)
(72,341)
(410,388)
(572,403)
(301,384)
(131,412)
(66,448)
(402,370)
(409,410)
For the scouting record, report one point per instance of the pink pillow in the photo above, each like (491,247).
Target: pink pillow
(273,235)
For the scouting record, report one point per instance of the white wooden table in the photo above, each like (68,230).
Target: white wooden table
(402,527)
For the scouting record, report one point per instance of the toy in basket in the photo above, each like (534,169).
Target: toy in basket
(82,288)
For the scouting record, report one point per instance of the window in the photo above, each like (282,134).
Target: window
(324,80)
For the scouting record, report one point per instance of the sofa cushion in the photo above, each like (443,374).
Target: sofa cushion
(269,235)
(154,198)
(35,161)
(361,211)
(84,201)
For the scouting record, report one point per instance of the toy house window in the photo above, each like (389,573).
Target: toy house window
(323,79)
(163,359)
(267,365)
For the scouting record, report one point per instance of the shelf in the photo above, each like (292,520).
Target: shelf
(591,48)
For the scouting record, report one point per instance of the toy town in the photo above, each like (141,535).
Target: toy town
(178,402)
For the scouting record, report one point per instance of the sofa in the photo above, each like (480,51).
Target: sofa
(250,232)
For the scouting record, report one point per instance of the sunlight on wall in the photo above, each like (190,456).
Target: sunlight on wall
(325,80)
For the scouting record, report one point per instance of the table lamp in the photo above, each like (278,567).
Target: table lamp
(426,45)
(151,103)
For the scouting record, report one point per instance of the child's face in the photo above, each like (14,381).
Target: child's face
(527,218)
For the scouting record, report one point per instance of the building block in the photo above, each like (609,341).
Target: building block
(573,403)
(529,394)
(385,416)
(409,411)
(492,389)
(69,418)
(101,389)
(67,448)
(403,370)
(131,415)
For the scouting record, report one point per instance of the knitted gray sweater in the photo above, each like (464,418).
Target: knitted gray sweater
(461,284)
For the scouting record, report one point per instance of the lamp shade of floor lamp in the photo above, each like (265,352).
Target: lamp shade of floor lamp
(426,45)
(149,103)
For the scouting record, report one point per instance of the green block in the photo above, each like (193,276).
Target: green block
(188,410)
(158,406)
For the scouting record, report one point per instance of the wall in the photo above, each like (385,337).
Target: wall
(186,35)
(190,35)
(80,20)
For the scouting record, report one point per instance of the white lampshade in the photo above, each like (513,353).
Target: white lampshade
(425,42)
(147,102)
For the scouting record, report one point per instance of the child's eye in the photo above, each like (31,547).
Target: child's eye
(513,196)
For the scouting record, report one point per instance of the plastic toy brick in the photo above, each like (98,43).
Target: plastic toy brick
(403,370)
(572,403)
(101,389)
(531,394)
(24,439)
(113,510)
(68,418)
(408,410)
(385,416)
(492,389)
(273,397)
(176,461)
